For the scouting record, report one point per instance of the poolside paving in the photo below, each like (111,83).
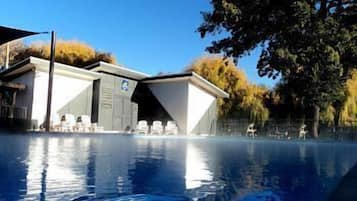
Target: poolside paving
(347,188)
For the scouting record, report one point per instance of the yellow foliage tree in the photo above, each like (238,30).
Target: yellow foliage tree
(328,115)
(245,99)
(68,52)
(348,114)
(253,103)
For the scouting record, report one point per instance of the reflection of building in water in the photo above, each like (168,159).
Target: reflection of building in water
(13,170)
(113,160)
(158,166)
(53,168)
(35,166)
(203,175)
(67,167)
(197,171)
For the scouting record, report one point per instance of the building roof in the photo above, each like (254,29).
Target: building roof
(116,70)
(43,65)
(193,78)
(93,71)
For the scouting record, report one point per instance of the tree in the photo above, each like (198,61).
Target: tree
(68,52)
(283,102)
(349,109)
(245,99)
(344,113)
(14,48)
(312,45)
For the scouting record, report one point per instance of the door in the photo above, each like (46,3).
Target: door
(117,112)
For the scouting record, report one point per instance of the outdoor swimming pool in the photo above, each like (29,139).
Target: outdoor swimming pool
(99,167)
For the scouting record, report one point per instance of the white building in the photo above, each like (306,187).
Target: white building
(115,97)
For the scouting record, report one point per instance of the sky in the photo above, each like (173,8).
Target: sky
(151,36)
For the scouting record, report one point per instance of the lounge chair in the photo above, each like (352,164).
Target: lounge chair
(157,128)
(171,128)
(95,128)
(142,127)
(280,134)
(302,132)
(83,124)
(67,123)
(251,131)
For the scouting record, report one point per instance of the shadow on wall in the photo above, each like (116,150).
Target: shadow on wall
(208,122)
(79,105)
(149,108)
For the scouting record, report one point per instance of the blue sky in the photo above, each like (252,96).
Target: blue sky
(147,35)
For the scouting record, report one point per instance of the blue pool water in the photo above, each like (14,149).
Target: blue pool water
(112,167)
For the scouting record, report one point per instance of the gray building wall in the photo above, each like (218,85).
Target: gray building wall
(173,96)
(149,107)
(208,122)
(116,110)
(80,105)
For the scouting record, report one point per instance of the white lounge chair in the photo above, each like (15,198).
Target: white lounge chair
(302,132)
(67,123)
(83,124)
(142,127)
(171,128)
(251,131)
(157,128)
(280,134)
(95,128)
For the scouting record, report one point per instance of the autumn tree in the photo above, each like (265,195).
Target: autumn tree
(245,99)
(312,45)
(14,48)
(68,52)
(348,113)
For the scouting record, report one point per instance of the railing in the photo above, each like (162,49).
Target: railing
(10,112)
(279,127)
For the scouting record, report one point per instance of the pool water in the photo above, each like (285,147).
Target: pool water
(113,167)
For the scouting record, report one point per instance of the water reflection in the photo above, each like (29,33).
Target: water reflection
(197,172)
(56,165)
(70,167)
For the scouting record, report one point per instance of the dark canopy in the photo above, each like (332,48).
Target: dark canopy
(8,34)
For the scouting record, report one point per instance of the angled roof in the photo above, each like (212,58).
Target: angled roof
(43,65)
(8,34)
(117,70)
(94,72)
(192,77)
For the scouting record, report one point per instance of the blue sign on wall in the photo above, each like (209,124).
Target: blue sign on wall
(124,85)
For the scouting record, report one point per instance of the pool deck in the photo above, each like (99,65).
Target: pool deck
(347,188)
